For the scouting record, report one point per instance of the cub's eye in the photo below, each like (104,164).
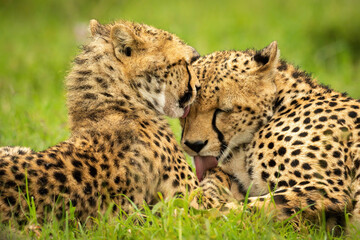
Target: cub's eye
(128,51)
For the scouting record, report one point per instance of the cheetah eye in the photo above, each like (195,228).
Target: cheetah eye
(193,59)
(128,51)
(225,110)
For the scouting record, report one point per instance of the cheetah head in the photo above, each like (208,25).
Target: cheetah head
(134,64)
(236,98)
(156,64)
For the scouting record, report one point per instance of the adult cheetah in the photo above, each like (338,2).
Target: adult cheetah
(120,85)
(272,127)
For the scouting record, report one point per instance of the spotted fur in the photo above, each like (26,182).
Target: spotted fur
(120,85)
(272,127)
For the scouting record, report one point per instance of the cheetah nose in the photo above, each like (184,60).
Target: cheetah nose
(196,146)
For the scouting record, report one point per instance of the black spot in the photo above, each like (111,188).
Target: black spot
(312,147)
(77,176)
(280,199)
(282,167)
(303,134)
(92,201)
(295,163)
(283,66)
(310,155)
(296,152)
(43,191)
(315,139)
(104,166)
(283,184)
(322,119)
(311,203)
(264,175)
(85,72)
(285,129)
(19,176)
(288,211)
(76,163)
(92,171)
(90,96)
(319,110)
(60,177)
(307,120)
(175,183)
(292,182)
(87,189)
(297,143)
(352,114)
(40,162)
(328,147)
(310,188)
(323,163)
(306,166)
(272,163)
(10,201)
(288,138)
(337,172)
(336,154)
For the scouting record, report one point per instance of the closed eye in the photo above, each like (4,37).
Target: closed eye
(193,59)
(226,110)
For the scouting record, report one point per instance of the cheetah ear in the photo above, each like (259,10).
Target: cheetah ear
(122,35)
(96,28)
(267,57)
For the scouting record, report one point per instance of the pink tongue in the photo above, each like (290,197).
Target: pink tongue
(202,164)
(186,112)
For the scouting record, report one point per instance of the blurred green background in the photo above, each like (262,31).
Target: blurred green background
(39,39)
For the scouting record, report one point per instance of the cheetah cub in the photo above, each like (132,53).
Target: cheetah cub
(119,88)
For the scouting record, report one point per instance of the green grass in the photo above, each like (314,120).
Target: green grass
(39,39)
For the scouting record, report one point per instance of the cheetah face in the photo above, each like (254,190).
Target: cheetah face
(236,97)
(155,63)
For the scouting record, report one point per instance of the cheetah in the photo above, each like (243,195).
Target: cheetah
(292,143)
(121,147)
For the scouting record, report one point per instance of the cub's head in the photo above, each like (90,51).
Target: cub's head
(149,64)
(236,98)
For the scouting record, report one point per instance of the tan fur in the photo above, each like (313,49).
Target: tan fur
(281,131)
(119,87)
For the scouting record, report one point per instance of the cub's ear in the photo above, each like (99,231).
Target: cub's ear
(267,57)
(123,35)
(96,28)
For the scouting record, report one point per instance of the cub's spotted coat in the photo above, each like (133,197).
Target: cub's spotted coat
(121,84)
